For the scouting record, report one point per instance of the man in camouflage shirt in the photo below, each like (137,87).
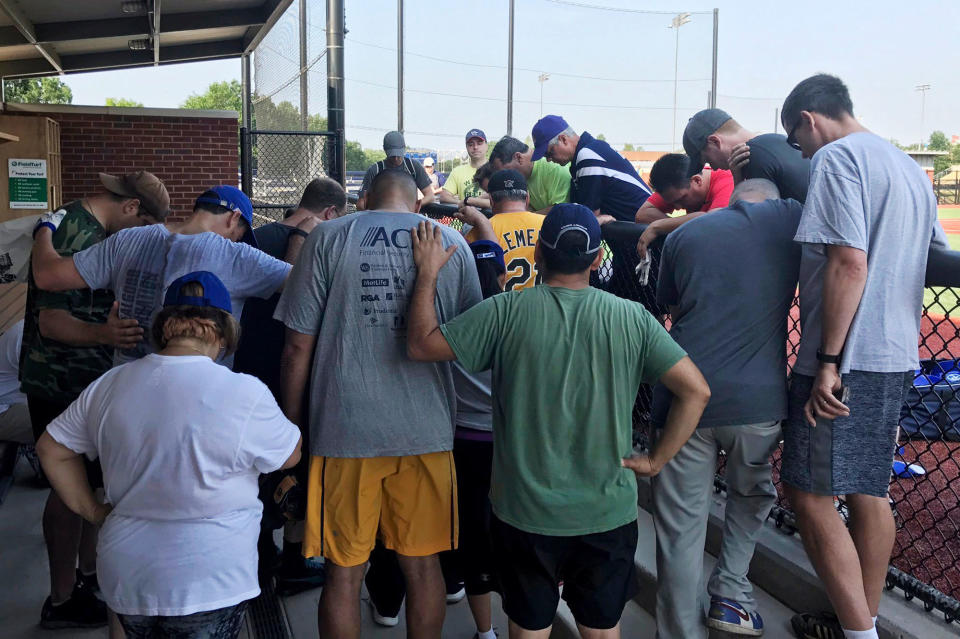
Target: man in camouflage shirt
(68,341)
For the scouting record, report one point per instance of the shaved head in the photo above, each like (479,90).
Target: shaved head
(392,185)
(755,190)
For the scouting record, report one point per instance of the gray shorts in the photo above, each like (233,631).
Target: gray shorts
(849,455)
(223,623)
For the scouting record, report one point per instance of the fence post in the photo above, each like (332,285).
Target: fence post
(246,177)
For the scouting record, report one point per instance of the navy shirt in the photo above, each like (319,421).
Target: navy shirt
(773,159)
(732,275)
(603,179)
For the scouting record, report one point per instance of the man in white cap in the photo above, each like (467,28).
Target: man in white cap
(396,149)
(431,173)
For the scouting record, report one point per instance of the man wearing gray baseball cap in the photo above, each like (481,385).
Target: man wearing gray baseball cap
(713,137)
(396,148)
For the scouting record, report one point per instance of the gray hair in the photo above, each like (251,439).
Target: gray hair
(567,132)
(508,195)
(755,190)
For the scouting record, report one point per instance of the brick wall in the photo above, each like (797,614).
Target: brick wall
(188,153)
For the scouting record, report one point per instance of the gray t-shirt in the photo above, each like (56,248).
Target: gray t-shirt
(474,408)
(732,276)
(138,265)
(867,194)
(367,398)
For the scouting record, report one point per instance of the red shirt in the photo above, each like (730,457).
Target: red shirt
(718,194)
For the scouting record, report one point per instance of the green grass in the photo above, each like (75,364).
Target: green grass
(947,300)
(948,214)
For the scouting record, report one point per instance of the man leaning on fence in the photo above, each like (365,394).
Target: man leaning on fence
(868,222)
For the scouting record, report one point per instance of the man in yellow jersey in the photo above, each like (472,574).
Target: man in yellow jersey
(460,188)
(516,228)
(547,183)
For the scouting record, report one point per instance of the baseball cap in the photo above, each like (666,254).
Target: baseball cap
(394,145)
(215,294)
(476,133)
(428,161)
(546,128)
(230,197)
(699,128)
(506,180)
(573,219)
(487,250)
(142,185)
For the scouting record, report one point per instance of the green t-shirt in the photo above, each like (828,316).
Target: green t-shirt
(549,184)
(567,365)
(50,369)
(460,182)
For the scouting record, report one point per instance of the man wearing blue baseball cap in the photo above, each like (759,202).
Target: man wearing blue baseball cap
(460,187)
(567,362)
(139,264)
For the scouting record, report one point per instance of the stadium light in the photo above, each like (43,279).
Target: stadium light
(543,77)
(678,21)
(922,88)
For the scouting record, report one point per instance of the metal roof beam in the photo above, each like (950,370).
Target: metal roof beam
(137,27)
(155,32)
(271,10)
(25,26)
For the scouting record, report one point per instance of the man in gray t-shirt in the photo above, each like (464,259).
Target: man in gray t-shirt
(868,223)
(729,279)
(380,424)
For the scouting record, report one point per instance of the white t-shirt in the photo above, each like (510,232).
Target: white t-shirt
(181,441)
(9,366)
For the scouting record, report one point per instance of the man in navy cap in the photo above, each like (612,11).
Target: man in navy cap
(138,264)
(540,343)
(460,187)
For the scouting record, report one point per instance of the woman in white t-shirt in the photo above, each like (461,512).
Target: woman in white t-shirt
(182,441)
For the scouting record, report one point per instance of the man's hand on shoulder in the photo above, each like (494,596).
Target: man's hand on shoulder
(428,252)
(739,159)
(121,333)
(308,223)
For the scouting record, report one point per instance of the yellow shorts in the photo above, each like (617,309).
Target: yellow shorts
(410,501)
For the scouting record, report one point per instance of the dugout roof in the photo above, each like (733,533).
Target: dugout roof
(47,37)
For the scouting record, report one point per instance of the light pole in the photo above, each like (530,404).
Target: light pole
(922,88)
(678,21)
(543,77)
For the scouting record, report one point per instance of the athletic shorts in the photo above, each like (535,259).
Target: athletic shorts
(410,502)
(44,411)
(597,571)
(850,455)
(223,623)
(474,460)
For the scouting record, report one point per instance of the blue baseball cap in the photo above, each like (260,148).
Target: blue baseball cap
(487,250)
(215,294)
(546,128)
(232,198)
(476,133)
(575,219)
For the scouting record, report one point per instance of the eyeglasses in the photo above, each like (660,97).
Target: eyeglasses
(791,140)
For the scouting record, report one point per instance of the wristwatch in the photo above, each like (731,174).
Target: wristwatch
(300,232)
(828,359)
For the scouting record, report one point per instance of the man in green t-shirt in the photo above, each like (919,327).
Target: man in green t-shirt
(547,183)
(460,187)
(68,342)
(567,362)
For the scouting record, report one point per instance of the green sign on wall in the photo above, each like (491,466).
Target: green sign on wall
(27,181)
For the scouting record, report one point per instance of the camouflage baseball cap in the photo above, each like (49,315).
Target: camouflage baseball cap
(142,185)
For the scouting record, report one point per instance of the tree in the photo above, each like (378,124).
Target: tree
(38,91)
(224,96)
(941,163)
(939,141)
(601,137)
(122,102)
(955,154)
(628,147)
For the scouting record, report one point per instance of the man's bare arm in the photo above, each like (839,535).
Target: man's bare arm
(50,271)
(68,476)
(428,196)
(446,197)
(294,371)
(425,340)
(59,324)
(648,213)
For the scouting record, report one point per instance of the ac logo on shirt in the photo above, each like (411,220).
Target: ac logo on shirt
(399,238)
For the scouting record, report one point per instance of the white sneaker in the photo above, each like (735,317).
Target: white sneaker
(454,597)
(380,620)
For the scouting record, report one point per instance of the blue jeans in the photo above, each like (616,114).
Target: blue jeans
(223,623)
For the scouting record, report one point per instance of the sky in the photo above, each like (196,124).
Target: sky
(611,72)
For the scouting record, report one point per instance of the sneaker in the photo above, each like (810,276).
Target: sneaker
(456,595)
(824,625)
(89,585)
(476,635)
(380,620)
(729,616)
(298,575)
(79,611)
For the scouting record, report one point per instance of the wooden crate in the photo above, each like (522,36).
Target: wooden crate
(30,137)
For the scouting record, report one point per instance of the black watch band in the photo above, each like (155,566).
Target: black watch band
(828,359)
(300,232)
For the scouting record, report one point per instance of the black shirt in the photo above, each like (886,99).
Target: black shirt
(773,159)
(261,336)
